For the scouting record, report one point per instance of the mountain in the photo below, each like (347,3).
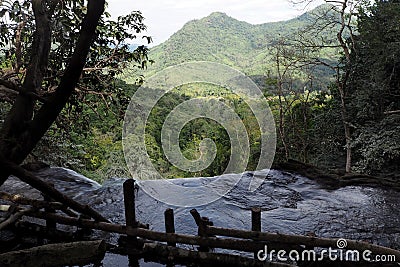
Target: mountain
(221,38)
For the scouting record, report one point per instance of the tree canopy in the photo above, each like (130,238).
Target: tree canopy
(58,54)
(374,99)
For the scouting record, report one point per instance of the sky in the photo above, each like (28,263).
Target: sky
(165,17)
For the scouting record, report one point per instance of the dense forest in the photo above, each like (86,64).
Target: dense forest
(331,78)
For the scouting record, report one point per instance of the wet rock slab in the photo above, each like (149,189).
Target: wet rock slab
(291,204)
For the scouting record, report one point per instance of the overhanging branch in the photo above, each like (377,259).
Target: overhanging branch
(17,121)
(50,110)
(43,187)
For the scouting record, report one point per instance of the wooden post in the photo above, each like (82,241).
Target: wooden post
(256,219)
(130,220)
(169,228)
(256,222)
(169,224)
(196,216)
(129,201)
(202,223)
(50,224)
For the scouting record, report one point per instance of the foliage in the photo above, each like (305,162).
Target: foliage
(220,38)
(379,147)
(96,152)
(375,84)
(197,130)
(39,44)
(306,105)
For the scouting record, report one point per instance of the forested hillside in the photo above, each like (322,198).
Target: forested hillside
(327,104)
(218,38)
(223,39)
(330,76)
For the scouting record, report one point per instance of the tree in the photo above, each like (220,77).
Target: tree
(294,78)
(375,88)
(56,53)
(338,15)
(301,94)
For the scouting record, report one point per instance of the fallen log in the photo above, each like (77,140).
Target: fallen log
(62,254)
(45,188)
(160,252)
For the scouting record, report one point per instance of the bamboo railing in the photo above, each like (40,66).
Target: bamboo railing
(209,237)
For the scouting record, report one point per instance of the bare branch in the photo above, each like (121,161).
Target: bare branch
(392,112)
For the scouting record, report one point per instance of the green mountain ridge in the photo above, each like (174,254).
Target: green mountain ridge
(226,40)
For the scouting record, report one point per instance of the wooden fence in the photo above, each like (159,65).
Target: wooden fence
(164,246)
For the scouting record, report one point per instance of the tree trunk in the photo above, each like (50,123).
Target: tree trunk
(21,132)
(342,82)
(282,132)
(343,111)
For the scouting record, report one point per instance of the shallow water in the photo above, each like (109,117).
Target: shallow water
(291,204)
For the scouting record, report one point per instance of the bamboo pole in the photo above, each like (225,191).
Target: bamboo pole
(257,242)
(130,212)
(233,244)
(301,240)
(18,199)
(130,219)
(33,229)
(225,243)
(107,227)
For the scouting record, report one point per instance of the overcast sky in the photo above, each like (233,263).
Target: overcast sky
(165,17)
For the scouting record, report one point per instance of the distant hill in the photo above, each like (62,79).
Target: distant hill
(223,39)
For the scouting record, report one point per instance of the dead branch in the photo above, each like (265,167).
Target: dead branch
(392,112)
(37,203)
(13,218)
(79,222)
